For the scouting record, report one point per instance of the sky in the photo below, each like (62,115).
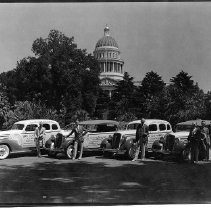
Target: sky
(165,37)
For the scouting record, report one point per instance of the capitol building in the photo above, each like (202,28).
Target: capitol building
(111,65)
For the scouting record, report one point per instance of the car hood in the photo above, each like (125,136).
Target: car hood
(127,132)
(9,132)
(181,134)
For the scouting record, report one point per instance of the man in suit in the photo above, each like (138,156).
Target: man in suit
(142,133)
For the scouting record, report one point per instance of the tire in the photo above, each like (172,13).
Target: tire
(4,151)
(131,152)
(186,155)
(52,154)
(69,151)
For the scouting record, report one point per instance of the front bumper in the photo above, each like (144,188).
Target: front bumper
(115,151)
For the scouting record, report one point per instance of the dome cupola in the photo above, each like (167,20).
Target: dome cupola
(107,40)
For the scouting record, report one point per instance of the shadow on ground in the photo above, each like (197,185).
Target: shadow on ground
(96,180)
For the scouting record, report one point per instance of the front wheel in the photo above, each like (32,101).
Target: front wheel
(4,151)
(186,155)
(131,152)
(69,151)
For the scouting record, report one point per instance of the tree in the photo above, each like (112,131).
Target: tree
(186,99)
(59,75)
(24,110)
(123,98)
(4,106)
(148,96)
(152,84)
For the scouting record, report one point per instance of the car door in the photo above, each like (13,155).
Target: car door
(28,135)
(48,131)
(153,134)
(97,135)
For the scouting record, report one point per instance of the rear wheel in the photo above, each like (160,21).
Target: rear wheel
(69,151)
(4,151)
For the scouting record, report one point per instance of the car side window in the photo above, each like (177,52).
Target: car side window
(153,127)
(46,126)
(168,127)
(31,127)
(54,127)
(162,127)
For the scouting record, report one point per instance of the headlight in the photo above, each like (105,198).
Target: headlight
(161,140)
(177,140)
(123,139)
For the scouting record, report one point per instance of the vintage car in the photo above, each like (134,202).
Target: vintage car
(123,140)
(98,130)
(20,138)
(176,143)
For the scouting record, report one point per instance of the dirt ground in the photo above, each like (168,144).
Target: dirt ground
(94,180)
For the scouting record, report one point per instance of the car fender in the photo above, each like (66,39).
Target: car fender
(13,145)
(129,142)
(106,143)
(67,143)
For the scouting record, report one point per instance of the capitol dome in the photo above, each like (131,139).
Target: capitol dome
(106,41)
(111,65)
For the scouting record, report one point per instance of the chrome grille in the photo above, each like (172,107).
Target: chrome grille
(170,139)
(115,140)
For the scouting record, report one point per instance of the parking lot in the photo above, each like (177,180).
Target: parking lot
(29,180)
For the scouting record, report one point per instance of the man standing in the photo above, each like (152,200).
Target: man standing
(206,139)
(79,132)
(194,139)
(39,134)
(142,132)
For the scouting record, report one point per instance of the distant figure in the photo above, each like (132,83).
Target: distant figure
(206,139)
(79,132)
(39,134)
(142,133)
(193,139)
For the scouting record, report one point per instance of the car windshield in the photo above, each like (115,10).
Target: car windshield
(17,127)
(132,126)
(183,128)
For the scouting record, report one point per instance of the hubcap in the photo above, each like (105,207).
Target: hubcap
(69,151)
(4,151)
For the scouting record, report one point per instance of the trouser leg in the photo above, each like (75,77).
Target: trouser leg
(143,150)
(197,152)
(38,147)
(75,150)
(207,151)
(192,149)
(81,150)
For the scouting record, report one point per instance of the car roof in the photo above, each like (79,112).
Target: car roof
(198,122)
(98,122)
(149,121)
(36,121)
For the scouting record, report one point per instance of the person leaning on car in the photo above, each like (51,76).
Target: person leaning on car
(194,139)
(79,132)
(39,134)
(206,139)
(142,132)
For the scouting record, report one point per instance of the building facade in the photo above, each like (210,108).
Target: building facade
(111,65)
